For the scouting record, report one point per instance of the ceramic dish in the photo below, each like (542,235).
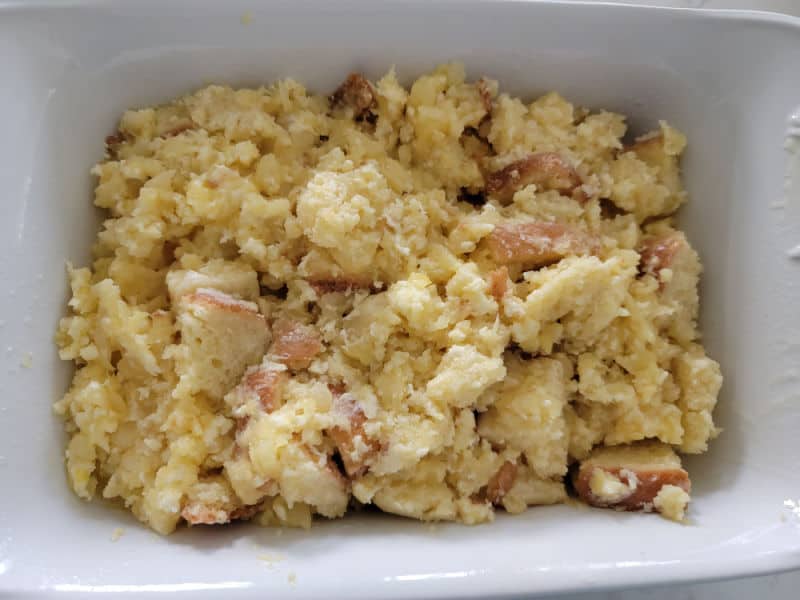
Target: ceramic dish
(729,80)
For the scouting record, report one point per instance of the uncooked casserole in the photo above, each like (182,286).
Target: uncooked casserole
(438,301)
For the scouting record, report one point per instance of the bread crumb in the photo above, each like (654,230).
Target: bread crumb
(27,360)
(671,501)
(291,578)
(247,18)
(117,533)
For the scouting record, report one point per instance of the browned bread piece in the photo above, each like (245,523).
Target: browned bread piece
(538,243)
(667,256)
(355,447)
(501,482)
(356,94)
(632,477)
(236,279)
(548,170)
(294,344)
(220,337)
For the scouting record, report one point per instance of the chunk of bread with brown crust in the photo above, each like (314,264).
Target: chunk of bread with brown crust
(318,481)
(667,256)
(659,252)
(538,243)
(331,285)
(234,278)
(355,94)
(260,390)
(548,170)
(259,393)
(630,477)
(294,344)
(220,337)
(487,90)
(501,482)
(113,142)
(356,448)
(667,250)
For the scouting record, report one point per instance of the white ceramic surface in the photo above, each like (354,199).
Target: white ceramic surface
(729,80)
(790,7)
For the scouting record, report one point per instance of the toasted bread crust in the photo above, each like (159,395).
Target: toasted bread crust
(548,170)
(629,477)
(267,384)
(659,252)
(485,94)
(333,285)
(645,487)
(538,243)
(294,344)
(501,482)
(355,446)
(356,93)
(214,299)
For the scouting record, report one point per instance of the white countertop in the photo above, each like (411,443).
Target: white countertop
(774,587)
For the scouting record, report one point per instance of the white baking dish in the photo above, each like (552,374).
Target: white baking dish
(728,80)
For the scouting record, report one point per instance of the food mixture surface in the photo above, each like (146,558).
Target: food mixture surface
(439,301)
